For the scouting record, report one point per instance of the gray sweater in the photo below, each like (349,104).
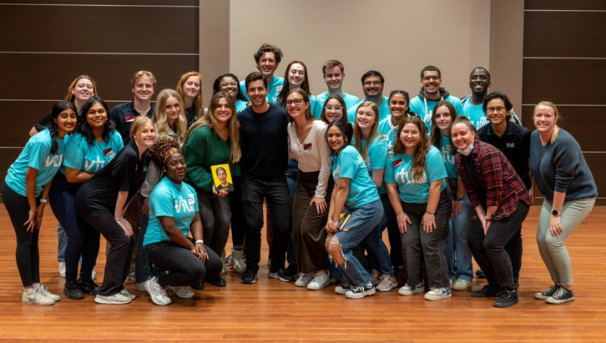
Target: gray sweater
(561,167)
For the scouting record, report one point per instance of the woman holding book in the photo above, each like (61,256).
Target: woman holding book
(356,194)
(213,140)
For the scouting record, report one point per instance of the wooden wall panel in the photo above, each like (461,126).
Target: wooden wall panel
(566,4)
(565,34)
(566,81)
(585,123)
(597,165)
(100,29)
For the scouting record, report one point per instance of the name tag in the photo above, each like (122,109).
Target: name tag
(107,151)
(129,119)
(396,163)
(306,146)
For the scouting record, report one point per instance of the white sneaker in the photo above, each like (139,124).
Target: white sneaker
(128,294)
(32,296)
(461,285)
(140,287)
(438,294)
(236,261)
(156,292)
(182,292)
(61,269)
(409,290)
(320,280)
(304,279)
(388,282)
(114,299)
(44,291)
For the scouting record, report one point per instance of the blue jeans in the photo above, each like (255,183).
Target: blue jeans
(458,255)
(362,222)
(378,255)
(61,243)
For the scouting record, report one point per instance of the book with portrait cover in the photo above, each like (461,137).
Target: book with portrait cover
(222,177)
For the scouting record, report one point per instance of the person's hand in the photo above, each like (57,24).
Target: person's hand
(555,226)
(200,251)
(403,222)
(457,207)
(145,207)
(429,222)
(220,193)
(332,227)
(31,220)
(485,224)
(320,204)
(125,225)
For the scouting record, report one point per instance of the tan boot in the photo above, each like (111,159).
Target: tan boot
(237,262)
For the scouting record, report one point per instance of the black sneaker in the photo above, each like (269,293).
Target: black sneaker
(560,296)
(359,292)
(506,299)
(283,275)
(480,274)
(217,281)
(488,291)
(546,293)
(249,277)
(88,286)
(72,290)
(199,286)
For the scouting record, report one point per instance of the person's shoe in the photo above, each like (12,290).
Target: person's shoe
(127,294)
(114,299)
(88,286)
(131,276)
(93,275)
(343,288)
(438,294)
(283,275)
(506,298)
(461,285)
(140,287)
(304,279)
(488,291)
(223,263)
(562,295)
(236,262)
(182,292)
(375,277)
(32,296)
(546,293)
(156,292)
(480,274)
(198,286)
(410,290)
(61,269)
(249,277)
(44,291)
(388,282)
(359,292)
(72,290)
(217,281)
(320,280)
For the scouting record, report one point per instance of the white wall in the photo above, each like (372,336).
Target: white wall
(396,37)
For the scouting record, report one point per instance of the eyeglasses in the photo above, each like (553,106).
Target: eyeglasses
(495,109)
(295,102)
(372,83)
(225,84)
(334,108)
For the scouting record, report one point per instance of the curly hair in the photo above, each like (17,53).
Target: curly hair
(161,150)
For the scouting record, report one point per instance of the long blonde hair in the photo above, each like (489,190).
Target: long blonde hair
(198,99)
(556,113)
(373,130)
(208,119)
(160,120)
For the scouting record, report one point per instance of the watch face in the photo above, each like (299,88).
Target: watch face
(554,212)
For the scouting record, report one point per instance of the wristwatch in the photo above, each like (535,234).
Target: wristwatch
(555,213)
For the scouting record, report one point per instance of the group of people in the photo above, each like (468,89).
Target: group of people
(448,178)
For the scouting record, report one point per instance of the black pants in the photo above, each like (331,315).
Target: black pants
(27,254)
(184,268)
(117,265)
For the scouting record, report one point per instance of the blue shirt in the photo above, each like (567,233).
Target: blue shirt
(377,157)
(350,102)
(79,155)
(424,108)
(449,159)
(240,105)
(273,89)
(388,129)
(383,110)
(475,113)
(349,164)
(397,171)
(36,154)
(169,199)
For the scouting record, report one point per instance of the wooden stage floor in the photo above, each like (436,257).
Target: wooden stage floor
(273,311)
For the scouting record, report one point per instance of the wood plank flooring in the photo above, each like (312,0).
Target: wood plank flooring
(273,311)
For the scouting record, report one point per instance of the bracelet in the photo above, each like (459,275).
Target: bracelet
(200,241)
(427,212)
(43,201)
(460,199)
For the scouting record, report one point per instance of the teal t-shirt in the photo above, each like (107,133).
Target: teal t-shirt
(350,102)
(449,159)
(240,105)
(475,113)
(169,199)
(383,110)
(273,90)
(388,129)
(397,171)
(418,106)
(36,154)
(377,157)
(79,155)
(349,164)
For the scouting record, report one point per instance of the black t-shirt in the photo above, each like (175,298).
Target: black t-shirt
(123,116)
(125,172)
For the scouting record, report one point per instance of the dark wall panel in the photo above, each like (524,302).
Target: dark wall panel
(115,2)
(585,123)
(19,117)
(48,76)
(7,157)
(564,81)
(566,4)
(597,165)
(99,29)
(576,34)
